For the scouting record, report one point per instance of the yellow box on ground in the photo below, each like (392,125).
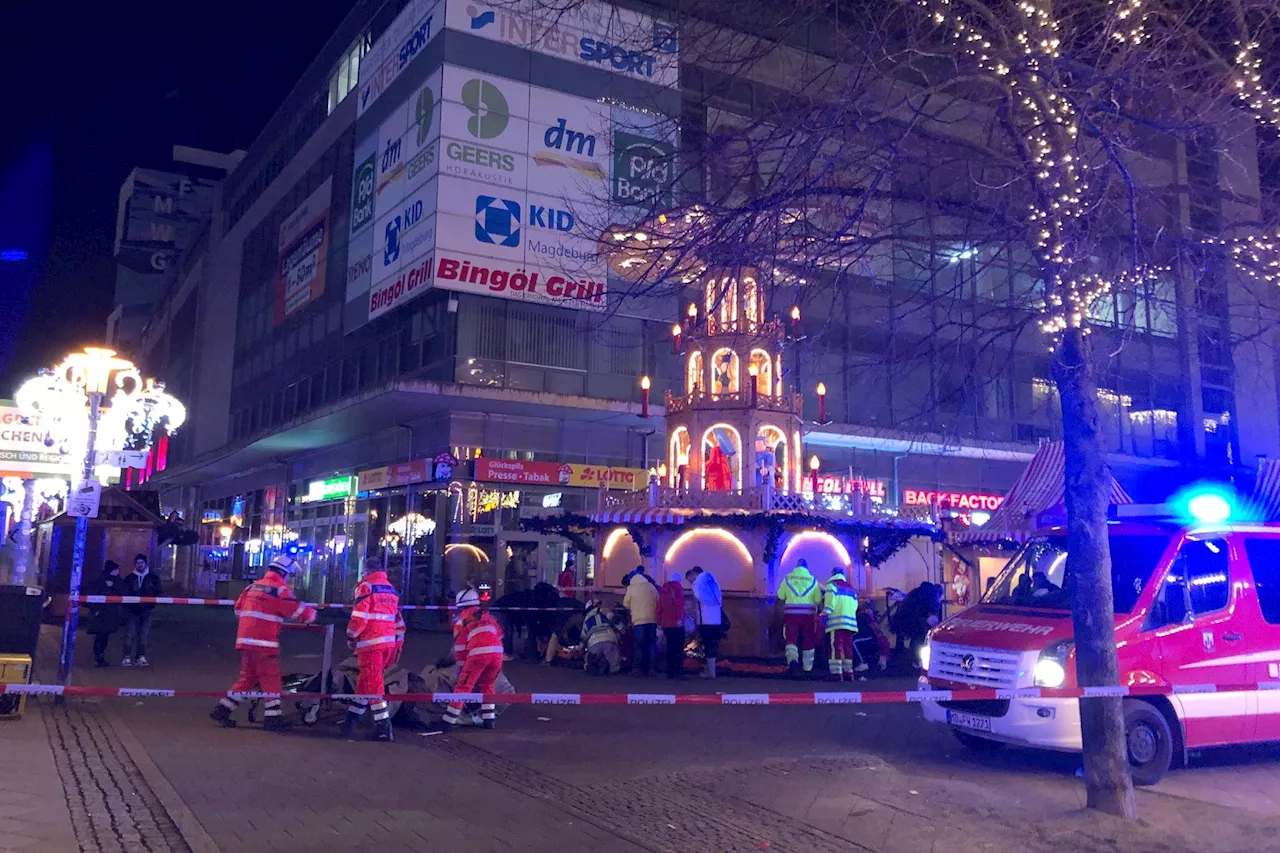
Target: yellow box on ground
(14,669)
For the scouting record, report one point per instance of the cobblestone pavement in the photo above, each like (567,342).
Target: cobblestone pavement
(34,813)
(666,780)
(113,809)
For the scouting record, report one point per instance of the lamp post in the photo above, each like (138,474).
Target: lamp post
(89,394)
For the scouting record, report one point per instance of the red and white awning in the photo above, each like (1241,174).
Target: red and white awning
(1266,489)
(1040,487)
(642,516)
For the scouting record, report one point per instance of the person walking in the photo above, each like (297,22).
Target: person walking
(710,601)
(106,618)
(477,645)
(641,600)
(671,618)
(840,606)
(374,631)
(801,599)
(262,607)
(142,582)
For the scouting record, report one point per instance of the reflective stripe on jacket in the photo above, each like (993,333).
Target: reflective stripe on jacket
(376,612)
(476,634)
(840,604)
(800,593)
(262,607)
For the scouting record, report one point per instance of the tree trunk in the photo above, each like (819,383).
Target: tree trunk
(1088,492)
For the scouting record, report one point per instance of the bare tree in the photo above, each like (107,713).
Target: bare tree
(1053,135)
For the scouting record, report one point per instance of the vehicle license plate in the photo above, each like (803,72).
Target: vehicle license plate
(969,721)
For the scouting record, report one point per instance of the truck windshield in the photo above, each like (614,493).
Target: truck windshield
(1037,576)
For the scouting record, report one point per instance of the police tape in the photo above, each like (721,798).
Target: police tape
(833,697)
(230,602)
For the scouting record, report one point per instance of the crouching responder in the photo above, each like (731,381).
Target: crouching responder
(600,636)
(840,606)
(263,606)
(374,633)
(477,645)
(801,599)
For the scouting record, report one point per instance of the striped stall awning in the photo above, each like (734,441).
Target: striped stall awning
(1266,489)
(1040,487)
(642,516)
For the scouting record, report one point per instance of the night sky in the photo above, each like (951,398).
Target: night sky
(92,90)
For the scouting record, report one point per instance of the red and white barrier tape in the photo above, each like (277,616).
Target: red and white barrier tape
(699,699)
(230,602)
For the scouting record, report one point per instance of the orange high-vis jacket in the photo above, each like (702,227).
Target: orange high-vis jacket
(375,616)
(265,605)
(476,634)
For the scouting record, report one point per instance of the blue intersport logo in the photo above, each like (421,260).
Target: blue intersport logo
(628,61)
(480,20)
(497,221)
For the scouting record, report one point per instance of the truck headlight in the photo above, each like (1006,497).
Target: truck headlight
(923,654)
(1048,673)
(1051,669)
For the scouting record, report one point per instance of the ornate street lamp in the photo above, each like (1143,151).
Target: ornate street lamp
(92,403)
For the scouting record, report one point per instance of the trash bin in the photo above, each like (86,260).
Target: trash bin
(20,610)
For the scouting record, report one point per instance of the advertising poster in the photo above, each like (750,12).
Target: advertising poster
(411,31)
(589,33)
(303,251)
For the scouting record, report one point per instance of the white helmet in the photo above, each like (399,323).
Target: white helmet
(284,564)
(467,598)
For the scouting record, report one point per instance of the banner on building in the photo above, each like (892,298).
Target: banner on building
(303,252)
(524,473)
(23,452)
(594,34)
(401,43)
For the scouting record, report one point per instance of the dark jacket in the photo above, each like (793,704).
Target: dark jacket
(106,618)
(148,585)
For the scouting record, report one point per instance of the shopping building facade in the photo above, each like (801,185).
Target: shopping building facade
(402,341)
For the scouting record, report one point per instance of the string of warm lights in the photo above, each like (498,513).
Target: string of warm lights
(1249,88)
(1256,255)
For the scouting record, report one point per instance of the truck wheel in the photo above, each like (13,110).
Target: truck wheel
(1148,742)
(977,744)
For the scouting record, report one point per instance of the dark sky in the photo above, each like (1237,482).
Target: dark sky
(91,90)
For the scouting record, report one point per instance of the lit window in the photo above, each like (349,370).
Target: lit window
(346,76)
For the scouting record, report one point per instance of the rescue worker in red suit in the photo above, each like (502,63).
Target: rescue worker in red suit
(262,608)
(375,633)
(477,644)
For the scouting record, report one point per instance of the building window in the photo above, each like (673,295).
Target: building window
(347,75)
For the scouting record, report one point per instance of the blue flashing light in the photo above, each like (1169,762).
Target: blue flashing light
(12,256)
(1207,503)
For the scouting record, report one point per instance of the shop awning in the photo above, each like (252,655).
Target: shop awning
(642,516)
(1040,487)
(1266,489)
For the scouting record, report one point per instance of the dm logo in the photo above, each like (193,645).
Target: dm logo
(490,113)
(391,244)
(497,221)
(480,20)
